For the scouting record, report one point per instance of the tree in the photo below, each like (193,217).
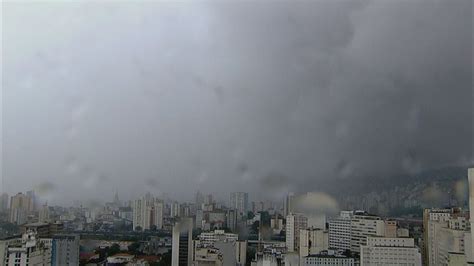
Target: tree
(165,259)
(250,215)
(114,249)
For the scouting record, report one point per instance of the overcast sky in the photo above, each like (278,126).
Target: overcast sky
(260,96)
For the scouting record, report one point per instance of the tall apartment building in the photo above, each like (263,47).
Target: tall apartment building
(390,251)
(65,250)
(20,206)
(340,231)
(3,202)
(288,204)
(43,214)
(313,241)
(294,223)
(147,212)
(175,209)
(239,201)
(182,240)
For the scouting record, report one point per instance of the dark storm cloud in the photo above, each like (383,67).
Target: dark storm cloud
(223,96)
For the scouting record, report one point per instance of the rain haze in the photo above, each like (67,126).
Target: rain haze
(265,97)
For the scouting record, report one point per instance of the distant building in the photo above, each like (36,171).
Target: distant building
(239,201)
(175,209)
(294,223)
(43,230)
(288,204)
(43,214)
(20,206)
(3,202)
(147,212)
(182,242)
(231,220)
(390,251)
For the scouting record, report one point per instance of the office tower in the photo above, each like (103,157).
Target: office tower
(390,251)
(3,202)
(43,214)
(288,204)
(65,250)
(147,213)
(182,242)
(20,206)
(294,223)
(340,231)
(239,201)
(313,241)
(364,225)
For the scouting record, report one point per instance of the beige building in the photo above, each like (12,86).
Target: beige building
(294,223)
(381,251)
(20,206)
(313,241)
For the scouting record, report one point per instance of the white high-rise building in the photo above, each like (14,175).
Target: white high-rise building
(175,209)
(390,251)
(312,241)
(294,223)
(182,250)
(147,212)
(340,231)
(239,201)
(363,226)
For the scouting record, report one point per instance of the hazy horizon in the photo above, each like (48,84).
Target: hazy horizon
(264,97)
